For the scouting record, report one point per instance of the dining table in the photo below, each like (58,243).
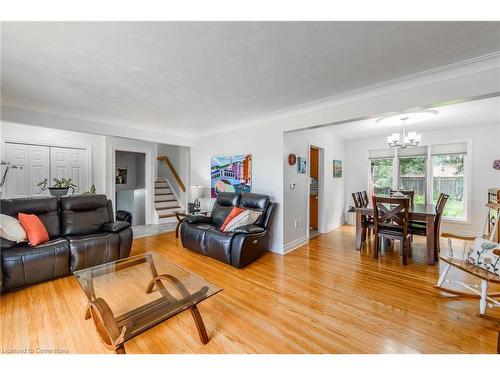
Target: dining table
(417,212)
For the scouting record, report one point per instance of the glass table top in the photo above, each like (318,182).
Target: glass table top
(132,284)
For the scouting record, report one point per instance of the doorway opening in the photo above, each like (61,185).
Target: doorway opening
(130,186)
(315,191)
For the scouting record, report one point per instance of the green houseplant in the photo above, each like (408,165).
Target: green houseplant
(59,188)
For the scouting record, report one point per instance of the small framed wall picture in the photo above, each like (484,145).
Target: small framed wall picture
(337,169)
(121,175)
(301,165)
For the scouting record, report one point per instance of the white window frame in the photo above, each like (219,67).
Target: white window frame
(466,219)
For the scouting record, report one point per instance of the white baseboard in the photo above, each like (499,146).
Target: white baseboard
(295,244)
(334,225)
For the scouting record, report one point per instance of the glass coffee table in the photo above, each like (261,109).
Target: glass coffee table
(130,296)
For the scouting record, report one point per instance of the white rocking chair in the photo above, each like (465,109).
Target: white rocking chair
(478,291)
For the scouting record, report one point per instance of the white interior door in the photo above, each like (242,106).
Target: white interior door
(35,162)
(70,163)
(38,160)
(17,180)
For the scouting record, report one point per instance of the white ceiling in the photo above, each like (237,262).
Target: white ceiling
(194,77)
(474,113)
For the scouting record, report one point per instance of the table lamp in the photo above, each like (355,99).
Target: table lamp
(196,192)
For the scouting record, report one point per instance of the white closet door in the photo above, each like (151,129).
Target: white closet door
(70,163)
(38,157)
(35,162)
(17,181)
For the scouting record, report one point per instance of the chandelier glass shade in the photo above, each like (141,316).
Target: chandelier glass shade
(406,139)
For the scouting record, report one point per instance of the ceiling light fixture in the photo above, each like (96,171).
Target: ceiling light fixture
(410,139)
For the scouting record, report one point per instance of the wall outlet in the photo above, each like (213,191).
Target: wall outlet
(298,223)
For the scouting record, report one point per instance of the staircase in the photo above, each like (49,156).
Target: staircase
(166,203)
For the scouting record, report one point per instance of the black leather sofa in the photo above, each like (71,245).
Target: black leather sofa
(239,248)
(82,234)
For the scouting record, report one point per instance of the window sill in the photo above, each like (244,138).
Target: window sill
(453,220)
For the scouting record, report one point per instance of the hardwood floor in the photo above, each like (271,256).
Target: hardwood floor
(321,298)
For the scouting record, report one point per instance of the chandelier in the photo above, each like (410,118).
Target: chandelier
(407,140)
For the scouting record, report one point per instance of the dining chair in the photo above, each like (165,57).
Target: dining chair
(367,222)
(409,193)
(356,200)
(391,222)
(419,228)
(366,200)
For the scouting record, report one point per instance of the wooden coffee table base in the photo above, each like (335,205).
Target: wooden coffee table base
(115,331)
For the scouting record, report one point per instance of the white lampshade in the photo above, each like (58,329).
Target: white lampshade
(196,191)
(394,138)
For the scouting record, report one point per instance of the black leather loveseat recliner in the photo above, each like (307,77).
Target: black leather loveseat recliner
(82,234)
(239,248)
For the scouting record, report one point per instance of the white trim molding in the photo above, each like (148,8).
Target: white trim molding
(295,244)
(334,225)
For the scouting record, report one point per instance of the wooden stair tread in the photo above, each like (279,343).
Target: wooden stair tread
(164,216)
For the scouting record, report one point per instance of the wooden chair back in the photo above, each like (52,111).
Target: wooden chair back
(366,200)
(391,214)
(357,202)
(440,204)
(490,232)
(409,193)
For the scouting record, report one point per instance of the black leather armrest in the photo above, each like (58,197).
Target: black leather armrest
(5,244)
(115,226)
(198,219)
(249,229)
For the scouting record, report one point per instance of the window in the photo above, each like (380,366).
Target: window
(381,176)
(412,176)
(428,171)
(448,178)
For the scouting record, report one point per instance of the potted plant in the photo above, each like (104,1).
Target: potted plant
(92,191)
(59,188)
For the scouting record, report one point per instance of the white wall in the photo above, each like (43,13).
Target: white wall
(484,149)
(266,146)
(296,200)
(46,136)
(179,156)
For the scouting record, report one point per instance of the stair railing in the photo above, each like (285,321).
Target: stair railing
(167,162)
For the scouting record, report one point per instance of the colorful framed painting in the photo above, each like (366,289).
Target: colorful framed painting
(337,169)
(231,174)
(301,165)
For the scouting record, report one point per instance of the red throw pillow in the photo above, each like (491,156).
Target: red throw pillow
(232,214)
(34,228)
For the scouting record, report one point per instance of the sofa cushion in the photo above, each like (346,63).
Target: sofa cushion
(246,217)
(483,254)
(235,211)
(23,264)
(255,202)
(11,229)
(218,244)
(193,236)
(34,228)
(45,208)
(223,206)
(83,214)
(93,249)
